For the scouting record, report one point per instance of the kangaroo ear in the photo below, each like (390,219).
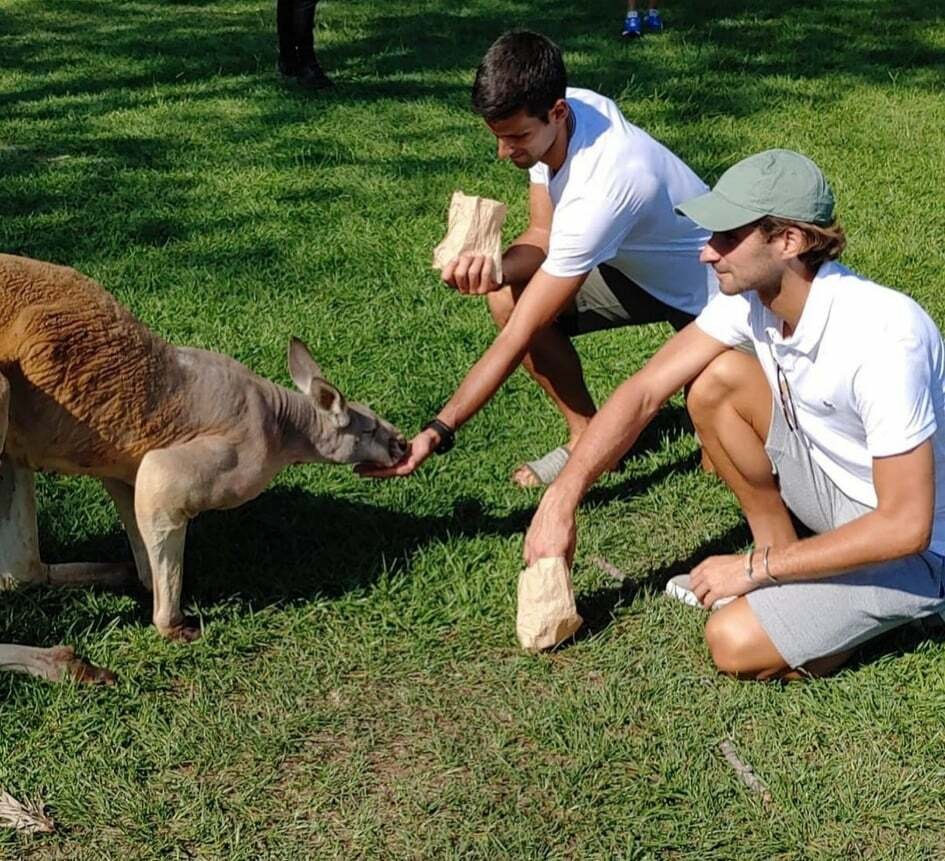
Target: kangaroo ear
(330,401)
(303,368)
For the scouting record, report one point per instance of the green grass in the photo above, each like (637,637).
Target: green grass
(358,692)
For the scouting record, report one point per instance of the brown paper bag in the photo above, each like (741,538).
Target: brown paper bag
(475,224)
(546,611)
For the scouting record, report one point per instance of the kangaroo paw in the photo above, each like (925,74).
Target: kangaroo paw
(186,632)
(66,665)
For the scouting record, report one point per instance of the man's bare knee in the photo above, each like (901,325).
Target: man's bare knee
(710,389)
(735,649)
(729,375)
(725,646)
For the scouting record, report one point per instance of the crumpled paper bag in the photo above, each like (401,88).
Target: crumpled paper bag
(546,611)
(474,224)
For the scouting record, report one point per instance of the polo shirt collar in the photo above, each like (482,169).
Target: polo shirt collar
(810,328)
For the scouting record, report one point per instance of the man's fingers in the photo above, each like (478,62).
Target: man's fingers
(487,275)
(460,274)
(473,272)
(484,282)
(375,470)
(470,273)
(447,273)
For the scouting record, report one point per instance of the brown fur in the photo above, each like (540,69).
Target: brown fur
(74,356)
(171,431)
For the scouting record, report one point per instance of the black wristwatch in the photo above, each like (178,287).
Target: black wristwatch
(446,434)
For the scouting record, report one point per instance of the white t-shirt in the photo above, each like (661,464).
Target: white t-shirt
(865,371)
(613,203)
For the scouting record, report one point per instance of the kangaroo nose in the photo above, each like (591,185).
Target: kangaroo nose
(397,447)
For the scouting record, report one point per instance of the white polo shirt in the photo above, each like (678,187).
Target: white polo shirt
(614,199)
(865,370)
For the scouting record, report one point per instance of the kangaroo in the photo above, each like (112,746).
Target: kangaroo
(85,388)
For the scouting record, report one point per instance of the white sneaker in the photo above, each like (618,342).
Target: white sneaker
(678,588)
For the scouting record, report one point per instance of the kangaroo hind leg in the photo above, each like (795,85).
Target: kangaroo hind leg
(56,664)
(20,562)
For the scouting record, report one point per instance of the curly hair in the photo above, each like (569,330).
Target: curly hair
(822,242)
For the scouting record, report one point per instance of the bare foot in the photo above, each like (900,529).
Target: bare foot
(543,470)
(524,477)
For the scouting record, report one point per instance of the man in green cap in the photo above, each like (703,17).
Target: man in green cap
(837,415)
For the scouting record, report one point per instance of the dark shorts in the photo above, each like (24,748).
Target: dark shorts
(608,299)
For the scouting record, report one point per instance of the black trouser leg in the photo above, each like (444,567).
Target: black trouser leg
(304,19)
(295,20)
(285,29)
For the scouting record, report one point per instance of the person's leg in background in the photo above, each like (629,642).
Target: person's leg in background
(633,24)
(295,25)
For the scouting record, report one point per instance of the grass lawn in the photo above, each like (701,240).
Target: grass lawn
(358,691)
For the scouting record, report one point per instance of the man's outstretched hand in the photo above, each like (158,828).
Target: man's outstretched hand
(418,450)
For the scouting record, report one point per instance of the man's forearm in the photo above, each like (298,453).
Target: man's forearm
(874,537)
(610,434)
(483,380)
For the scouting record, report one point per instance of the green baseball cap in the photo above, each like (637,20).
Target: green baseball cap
(775,182)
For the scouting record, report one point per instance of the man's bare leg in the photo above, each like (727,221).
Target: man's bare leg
(740,647)
(555,365)
(730,405)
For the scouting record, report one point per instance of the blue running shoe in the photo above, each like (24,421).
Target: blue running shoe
(632,27)
(654,21)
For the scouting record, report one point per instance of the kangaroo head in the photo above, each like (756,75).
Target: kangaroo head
(347,432)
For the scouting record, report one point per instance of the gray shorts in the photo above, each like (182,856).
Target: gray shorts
(608,299)
(815,618)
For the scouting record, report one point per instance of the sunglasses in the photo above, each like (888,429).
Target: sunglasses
(784,390)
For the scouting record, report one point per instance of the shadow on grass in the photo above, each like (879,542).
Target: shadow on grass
(78,66)
(287,545)
(417,52)
(600,606)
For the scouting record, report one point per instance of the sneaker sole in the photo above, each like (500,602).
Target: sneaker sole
(689,598)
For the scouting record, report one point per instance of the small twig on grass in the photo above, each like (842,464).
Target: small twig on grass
(745,772)
(30,816)
(609,569)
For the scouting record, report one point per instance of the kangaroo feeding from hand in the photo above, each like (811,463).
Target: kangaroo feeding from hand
(85,388)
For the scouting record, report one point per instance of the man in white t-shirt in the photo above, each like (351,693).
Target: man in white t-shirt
(836,416)
(604,245)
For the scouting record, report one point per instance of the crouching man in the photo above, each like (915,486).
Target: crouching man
(838,415)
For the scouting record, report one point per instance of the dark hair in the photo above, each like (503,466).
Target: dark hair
(823,242)
(521,70)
